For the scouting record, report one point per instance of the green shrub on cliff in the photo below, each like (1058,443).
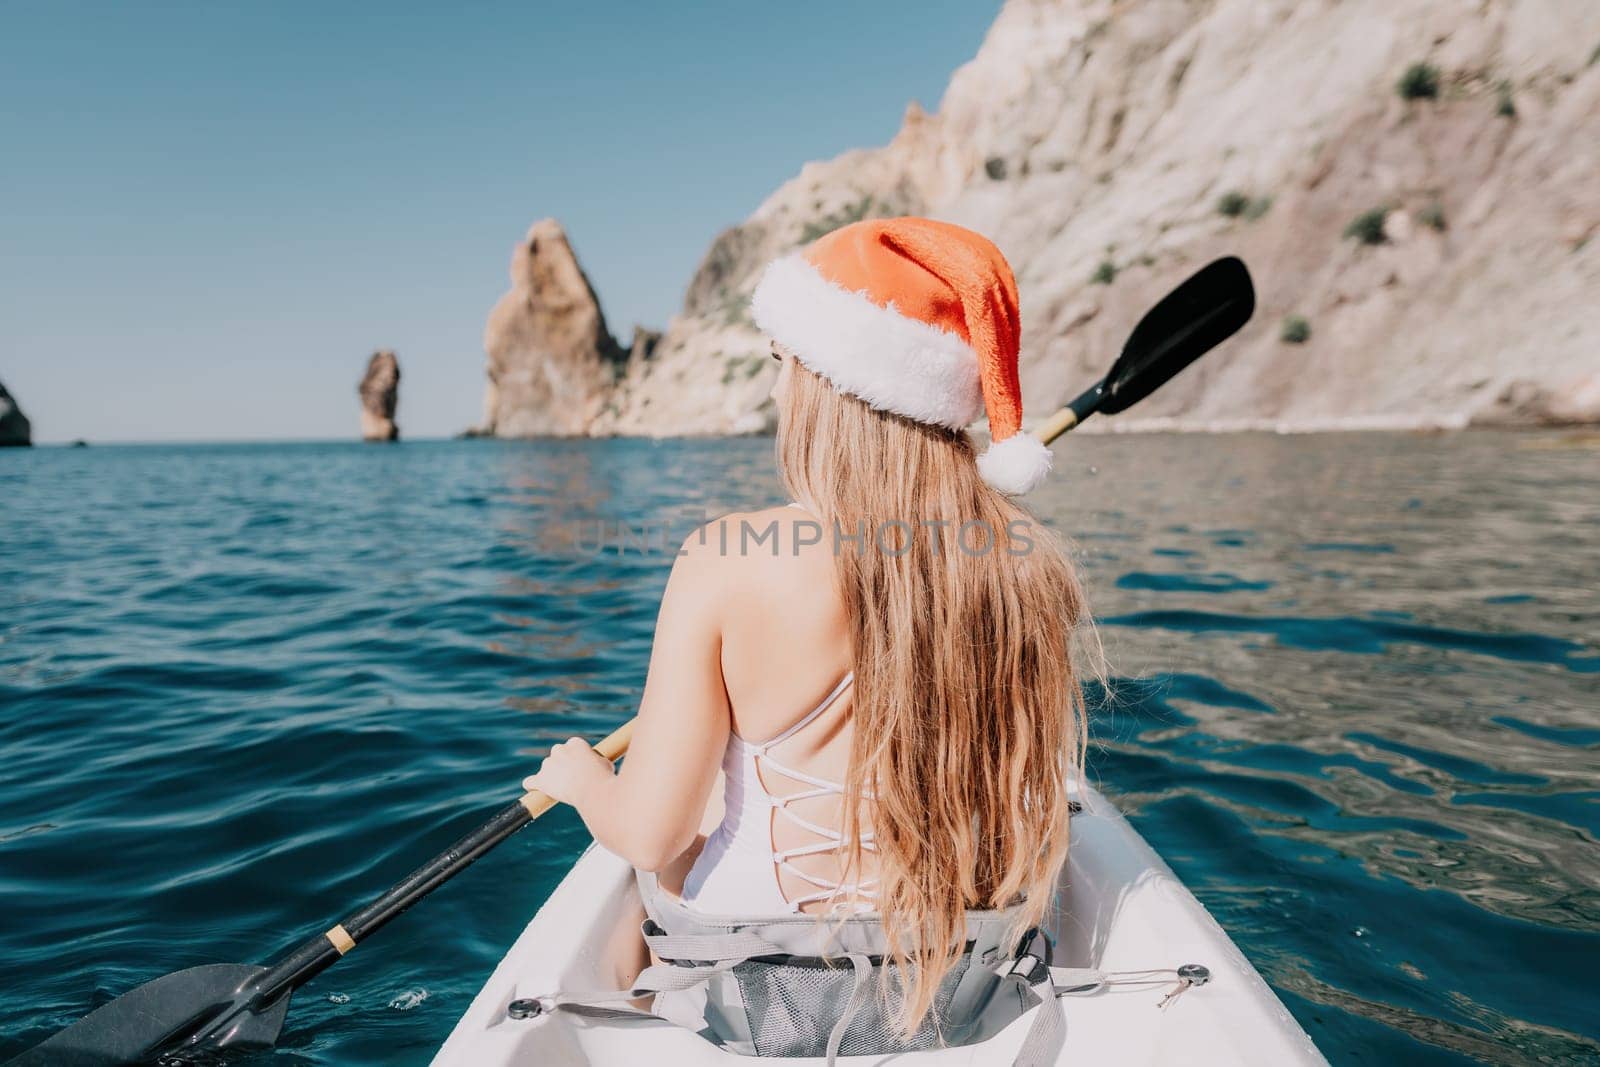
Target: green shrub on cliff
(1419,82)
(1232,204)
(1367,227)
(843,217)
(1505,107)
(1104,274)
(1296,330)
(1235,205)
(1432,216)
(735,307)
(742,367)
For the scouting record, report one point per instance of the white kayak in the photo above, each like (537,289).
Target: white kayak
(1121,909)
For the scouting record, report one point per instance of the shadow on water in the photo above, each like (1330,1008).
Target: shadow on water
(1352,702)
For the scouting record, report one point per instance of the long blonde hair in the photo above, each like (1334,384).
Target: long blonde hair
(967,716)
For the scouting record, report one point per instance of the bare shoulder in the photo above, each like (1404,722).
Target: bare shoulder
(758,551)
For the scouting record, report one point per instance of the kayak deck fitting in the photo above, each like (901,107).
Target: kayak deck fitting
(1120,909)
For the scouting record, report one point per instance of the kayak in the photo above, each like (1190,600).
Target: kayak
(1121,911)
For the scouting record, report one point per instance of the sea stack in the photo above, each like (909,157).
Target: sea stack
(552,361)
(380,394)
(14,426)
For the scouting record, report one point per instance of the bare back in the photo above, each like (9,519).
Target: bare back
(785,648)
(785,639)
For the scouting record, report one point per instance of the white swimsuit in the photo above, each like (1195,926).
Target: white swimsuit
(737,872)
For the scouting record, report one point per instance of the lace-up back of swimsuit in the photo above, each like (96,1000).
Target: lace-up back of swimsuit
(738,870)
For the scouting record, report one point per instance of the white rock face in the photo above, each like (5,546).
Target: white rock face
(1090,132)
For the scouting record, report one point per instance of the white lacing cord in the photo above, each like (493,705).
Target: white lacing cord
(832,840)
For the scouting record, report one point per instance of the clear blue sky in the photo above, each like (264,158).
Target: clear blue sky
(211,214)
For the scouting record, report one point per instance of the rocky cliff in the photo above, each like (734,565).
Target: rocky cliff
(553,363)
(1411,181)
(14,426)
(380,395)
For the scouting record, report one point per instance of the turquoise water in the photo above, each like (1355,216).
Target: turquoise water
(1356,705)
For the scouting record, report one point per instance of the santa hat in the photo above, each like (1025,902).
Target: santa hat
(916,317)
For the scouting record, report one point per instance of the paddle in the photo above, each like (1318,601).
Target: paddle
(238,1005)
(235,1005)
(1191,320)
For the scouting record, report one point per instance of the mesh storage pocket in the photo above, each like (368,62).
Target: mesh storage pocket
(793,1006)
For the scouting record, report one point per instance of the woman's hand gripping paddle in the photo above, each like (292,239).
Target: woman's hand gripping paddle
(237,1005)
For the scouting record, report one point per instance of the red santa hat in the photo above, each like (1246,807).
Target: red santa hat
(916,317)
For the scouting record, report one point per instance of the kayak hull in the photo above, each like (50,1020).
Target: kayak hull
(1120,908)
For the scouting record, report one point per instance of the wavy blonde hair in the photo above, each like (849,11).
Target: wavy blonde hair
(967,714)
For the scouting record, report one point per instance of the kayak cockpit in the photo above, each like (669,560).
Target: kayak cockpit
(1121,913)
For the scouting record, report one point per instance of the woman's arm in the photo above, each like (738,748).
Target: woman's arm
(649,812)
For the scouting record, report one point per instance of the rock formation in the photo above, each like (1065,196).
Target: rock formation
(552,361)
(15,429)
(1413,178)
(1437,229)
(380,394)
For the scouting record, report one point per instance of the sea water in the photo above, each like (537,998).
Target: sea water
(1354,702)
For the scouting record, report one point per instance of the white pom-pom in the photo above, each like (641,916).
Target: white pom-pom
(1016,464)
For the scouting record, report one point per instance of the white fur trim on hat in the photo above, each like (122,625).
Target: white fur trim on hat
(893,362)
(1016,464)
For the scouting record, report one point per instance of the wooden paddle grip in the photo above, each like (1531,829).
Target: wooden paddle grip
(612,748)
(1056,425)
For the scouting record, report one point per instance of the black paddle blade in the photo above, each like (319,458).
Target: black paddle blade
(1194,318)
(165,1014)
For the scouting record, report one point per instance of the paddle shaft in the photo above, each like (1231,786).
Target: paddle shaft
(1085,405)
(324,950)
